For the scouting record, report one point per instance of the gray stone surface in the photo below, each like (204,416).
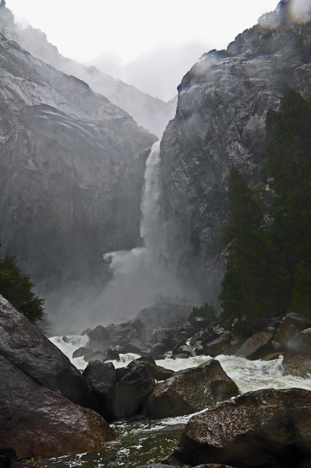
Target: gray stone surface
(190,390)
(38,423)
(71,173)
(267,428)
(26,347)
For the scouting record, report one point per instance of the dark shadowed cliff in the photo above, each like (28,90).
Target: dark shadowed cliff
(220,122)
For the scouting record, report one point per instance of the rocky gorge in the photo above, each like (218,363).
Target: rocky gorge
(72,167)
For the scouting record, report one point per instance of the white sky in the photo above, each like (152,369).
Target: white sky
(120,34)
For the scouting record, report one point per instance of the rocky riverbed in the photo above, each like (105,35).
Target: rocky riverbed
(49,409)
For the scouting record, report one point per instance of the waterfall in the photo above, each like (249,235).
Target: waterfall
(144,272)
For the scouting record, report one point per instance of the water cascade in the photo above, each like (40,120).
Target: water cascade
(143,272)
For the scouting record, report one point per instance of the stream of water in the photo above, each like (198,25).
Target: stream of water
(145,441)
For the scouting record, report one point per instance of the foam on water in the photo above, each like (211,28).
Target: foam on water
(248,375)
(69,344)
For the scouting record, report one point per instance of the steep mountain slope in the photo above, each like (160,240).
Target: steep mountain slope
(149,112)
(220,122)
(71,172)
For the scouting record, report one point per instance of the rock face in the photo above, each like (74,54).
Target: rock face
(27,348)
(297,359)
(262,429)
(220,122)
(41,393)
(190,390)
(71,173)
(38,423)
(152,113)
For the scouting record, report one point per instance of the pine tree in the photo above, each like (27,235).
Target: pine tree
(16,287)
(246,267)
(289,164)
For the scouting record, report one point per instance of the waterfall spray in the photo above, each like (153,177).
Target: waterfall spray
(142,273)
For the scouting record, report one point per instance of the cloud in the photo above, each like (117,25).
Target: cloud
(157,72)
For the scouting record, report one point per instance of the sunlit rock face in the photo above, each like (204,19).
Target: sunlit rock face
(71,171)
(220,122)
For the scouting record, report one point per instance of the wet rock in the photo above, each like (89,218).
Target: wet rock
(156,372)
(199,336)
(267,428)
(112,355)
(131,392)
(159,349)
(130,348)
(94,356)
(297,359)
(218,346)
(102,378)
(99,337)
(26,347)
(38,422)
(139,326)
(8,458)
(291,325)
(80,352)
(190,390)
(256,346)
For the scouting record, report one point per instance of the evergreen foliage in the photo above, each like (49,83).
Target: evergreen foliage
(16,287)
(268,264)
(206,311)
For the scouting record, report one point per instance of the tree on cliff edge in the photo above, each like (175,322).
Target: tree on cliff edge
(16,287)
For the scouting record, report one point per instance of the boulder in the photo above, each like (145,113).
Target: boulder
(38,422)
(190,390)
(291,325)
(155,371)
(132,391)
(26,347)
(262,429)
(139,326)
(102,378)
(297,359)
(130,348)
(99,337)
(257,346)
(159,349)
(218,346)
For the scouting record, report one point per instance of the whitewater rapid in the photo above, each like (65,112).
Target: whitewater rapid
(248,375)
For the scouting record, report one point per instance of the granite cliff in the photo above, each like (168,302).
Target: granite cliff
(71,172)
(220,122)
(150,112)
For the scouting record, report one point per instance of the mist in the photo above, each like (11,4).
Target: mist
(157,72)
(138,277)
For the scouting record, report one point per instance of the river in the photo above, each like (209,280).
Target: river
(145,441)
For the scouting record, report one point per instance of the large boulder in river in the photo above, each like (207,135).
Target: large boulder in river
(297,359)
(132,391)
(26,347)
(257,346)
(190,390)
(262,429)
(291,325)
(38,423)
(102,378)
(156,372)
